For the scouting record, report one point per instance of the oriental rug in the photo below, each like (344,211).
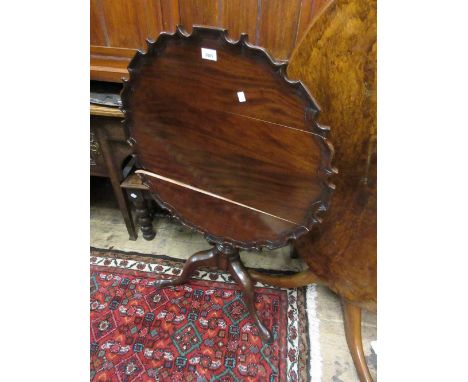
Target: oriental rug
(197,332)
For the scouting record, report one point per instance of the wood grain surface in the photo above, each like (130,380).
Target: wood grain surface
(277,25)
(337,61)
(240,16)
(247,172)
(201,12)
(105,111)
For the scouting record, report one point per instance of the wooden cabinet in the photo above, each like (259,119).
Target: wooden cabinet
(120,27)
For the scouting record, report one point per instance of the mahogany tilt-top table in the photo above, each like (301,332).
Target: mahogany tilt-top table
(228,145)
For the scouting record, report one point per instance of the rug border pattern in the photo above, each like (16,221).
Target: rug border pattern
(147,266)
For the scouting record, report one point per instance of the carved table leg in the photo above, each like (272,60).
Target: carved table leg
(352,324)
(240,274)
(199,259)
(144,218)
(225,258)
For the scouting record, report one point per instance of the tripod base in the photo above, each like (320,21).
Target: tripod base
(225,258)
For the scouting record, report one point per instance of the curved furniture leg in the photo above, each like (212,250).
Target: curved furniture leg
(239,273)
(199,259)
(295,280)
(352,324)
(225,258)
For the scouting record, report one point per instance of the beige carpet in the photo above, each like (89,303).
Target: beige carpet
(108,231)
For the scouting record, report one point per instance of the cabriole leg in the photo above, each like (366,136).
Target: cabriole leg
(240,274)
(352,324)
(199,259)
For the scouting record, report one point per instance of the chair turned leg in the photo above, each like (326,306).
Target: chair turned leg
(352,324)
(204,258)
(143,215)
(294,253)
(240,274)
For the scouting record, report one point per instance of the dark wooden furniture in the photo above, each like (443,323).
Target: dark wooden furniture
(108,152)
(347,265)
(120,27)
(342,253)
(138,194)
(228,145)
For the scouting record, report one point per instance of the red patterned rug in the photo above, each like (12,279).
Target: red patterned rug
(197,332)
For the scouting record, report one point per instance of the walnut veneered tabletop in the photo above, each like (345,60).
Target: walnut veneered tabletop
(225,141)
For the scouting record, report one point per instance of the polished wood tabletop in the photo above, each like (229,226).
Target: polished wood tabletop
(225,140)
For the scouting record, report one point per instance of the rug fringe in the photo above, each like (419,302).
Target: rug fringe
(315,359)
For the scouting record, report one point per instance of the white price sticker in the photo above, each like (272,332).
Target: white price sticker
(209,54)
(241,96)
